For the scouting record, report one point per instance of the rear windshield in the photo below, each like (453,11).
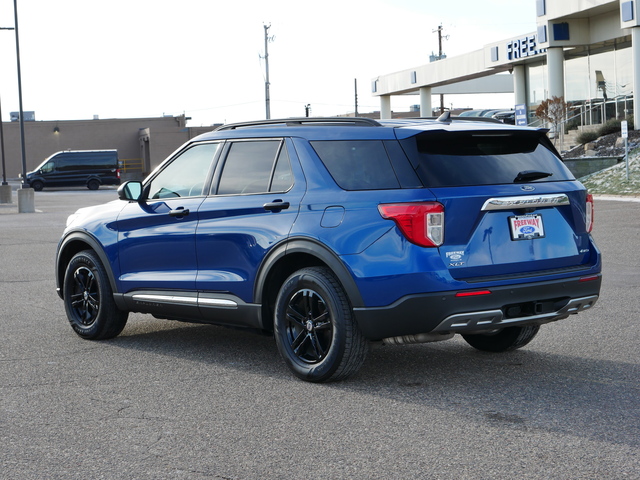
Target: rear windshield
(449,159)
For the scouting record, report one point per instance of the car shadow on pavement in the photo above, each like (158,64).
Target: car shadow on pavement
(527,390)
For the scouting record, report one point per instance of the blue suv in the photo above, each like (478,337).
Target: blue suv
(331,233)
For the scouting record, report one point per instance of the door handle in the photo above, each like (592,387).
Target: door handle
(179,212)
(276,206)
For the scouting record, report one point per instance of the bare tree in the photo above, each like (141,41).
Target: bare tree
(553,111)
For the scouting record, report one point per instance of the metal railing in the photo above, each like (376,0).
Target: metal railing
(129,165)
(596,114)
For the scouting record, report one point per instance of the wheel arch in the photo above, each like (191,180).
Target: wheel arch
(37,180)
(289,257)
(93,178)
(70,245)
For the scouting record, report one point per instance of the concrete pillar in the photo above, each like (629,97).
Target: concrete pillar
(26,200)
(426,110)
(5,194)
(555,65)
(635,65)
(385,107)
(520,84)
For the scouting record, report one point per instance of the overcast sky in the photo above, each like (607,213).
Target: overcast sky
(139,58)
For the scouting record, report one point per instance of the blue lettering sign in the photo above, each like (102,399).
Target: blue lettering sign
(523,47)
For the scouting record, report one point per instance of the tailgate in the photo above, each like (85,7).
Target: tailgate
(505,231)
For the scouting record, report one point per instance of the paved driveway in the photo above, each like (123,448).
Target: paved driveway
(167,400)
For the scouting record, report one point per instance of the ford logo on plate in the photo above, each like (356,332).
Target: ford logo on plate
(528,188)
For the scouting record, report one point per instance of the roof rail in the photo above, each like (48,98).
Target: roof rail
(292,122)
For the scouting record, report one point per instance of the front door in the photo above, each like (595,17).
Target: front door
(156,237)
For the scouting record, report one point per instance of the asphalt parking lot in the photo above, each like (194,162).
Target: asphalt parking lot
(167,400)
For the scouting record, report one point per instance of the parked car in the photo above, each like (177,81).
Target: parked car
(70,168)
(331,233)
(506,116)
(473,113)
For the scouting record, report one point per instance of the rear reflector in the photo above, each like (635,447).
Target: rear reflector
(421,223)
(473,294)
(589,278)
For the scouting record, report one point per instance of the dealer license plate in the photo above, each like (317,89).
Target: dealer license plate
(526,227)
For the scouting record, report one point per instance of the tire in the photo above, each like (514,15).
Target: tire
(93,184)
(503,340)
(37,185)
(314,328)
(88,299)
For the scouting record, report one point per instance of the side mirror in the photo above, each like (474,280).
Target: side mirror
(131,191)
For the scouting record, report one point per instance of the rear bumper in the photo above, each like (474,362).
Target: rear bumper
(444,312)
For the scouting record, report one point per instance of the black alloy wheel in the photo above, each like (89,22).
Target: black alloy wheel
(309,328)
(88,299)
(314,327)
(85,296)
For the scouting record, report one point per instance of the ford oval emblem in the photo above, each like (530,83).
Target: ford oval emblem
(527,188)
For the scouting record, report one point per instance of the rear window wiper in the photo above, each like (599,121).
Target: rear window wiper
(530,176)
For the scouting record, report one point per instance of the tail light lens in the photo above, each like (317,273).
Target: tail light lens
(589,213)
(118,172)
(421,223)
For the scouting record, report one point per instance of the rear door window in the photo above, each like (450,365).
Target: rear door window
(449,159)
(256,167)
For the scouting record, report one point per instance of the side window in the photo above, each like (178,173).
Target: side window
(48,167)
(64,163)
(249,168)
(357,164)
(185,175)
(282,176)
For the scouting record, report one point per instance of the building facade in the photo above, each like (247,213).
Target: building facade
(142,143)
(585,51)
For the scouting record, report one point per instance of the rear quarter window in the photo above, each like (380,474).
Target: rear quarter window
(449,159)
(357,164)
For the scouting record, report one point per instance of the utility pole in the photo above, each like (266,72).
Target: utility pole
(307,109)
(267,99)
(355,84)
(441,55)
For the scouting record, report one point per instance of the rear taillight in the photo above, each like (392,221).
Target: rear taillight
(421,223)
(589,213)
(118,172)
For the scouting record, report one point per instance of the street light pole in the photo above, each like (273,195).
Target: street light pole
(24,156)
(4,167)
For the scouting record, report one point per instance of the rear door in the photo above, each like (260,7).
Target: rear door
(254,202)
